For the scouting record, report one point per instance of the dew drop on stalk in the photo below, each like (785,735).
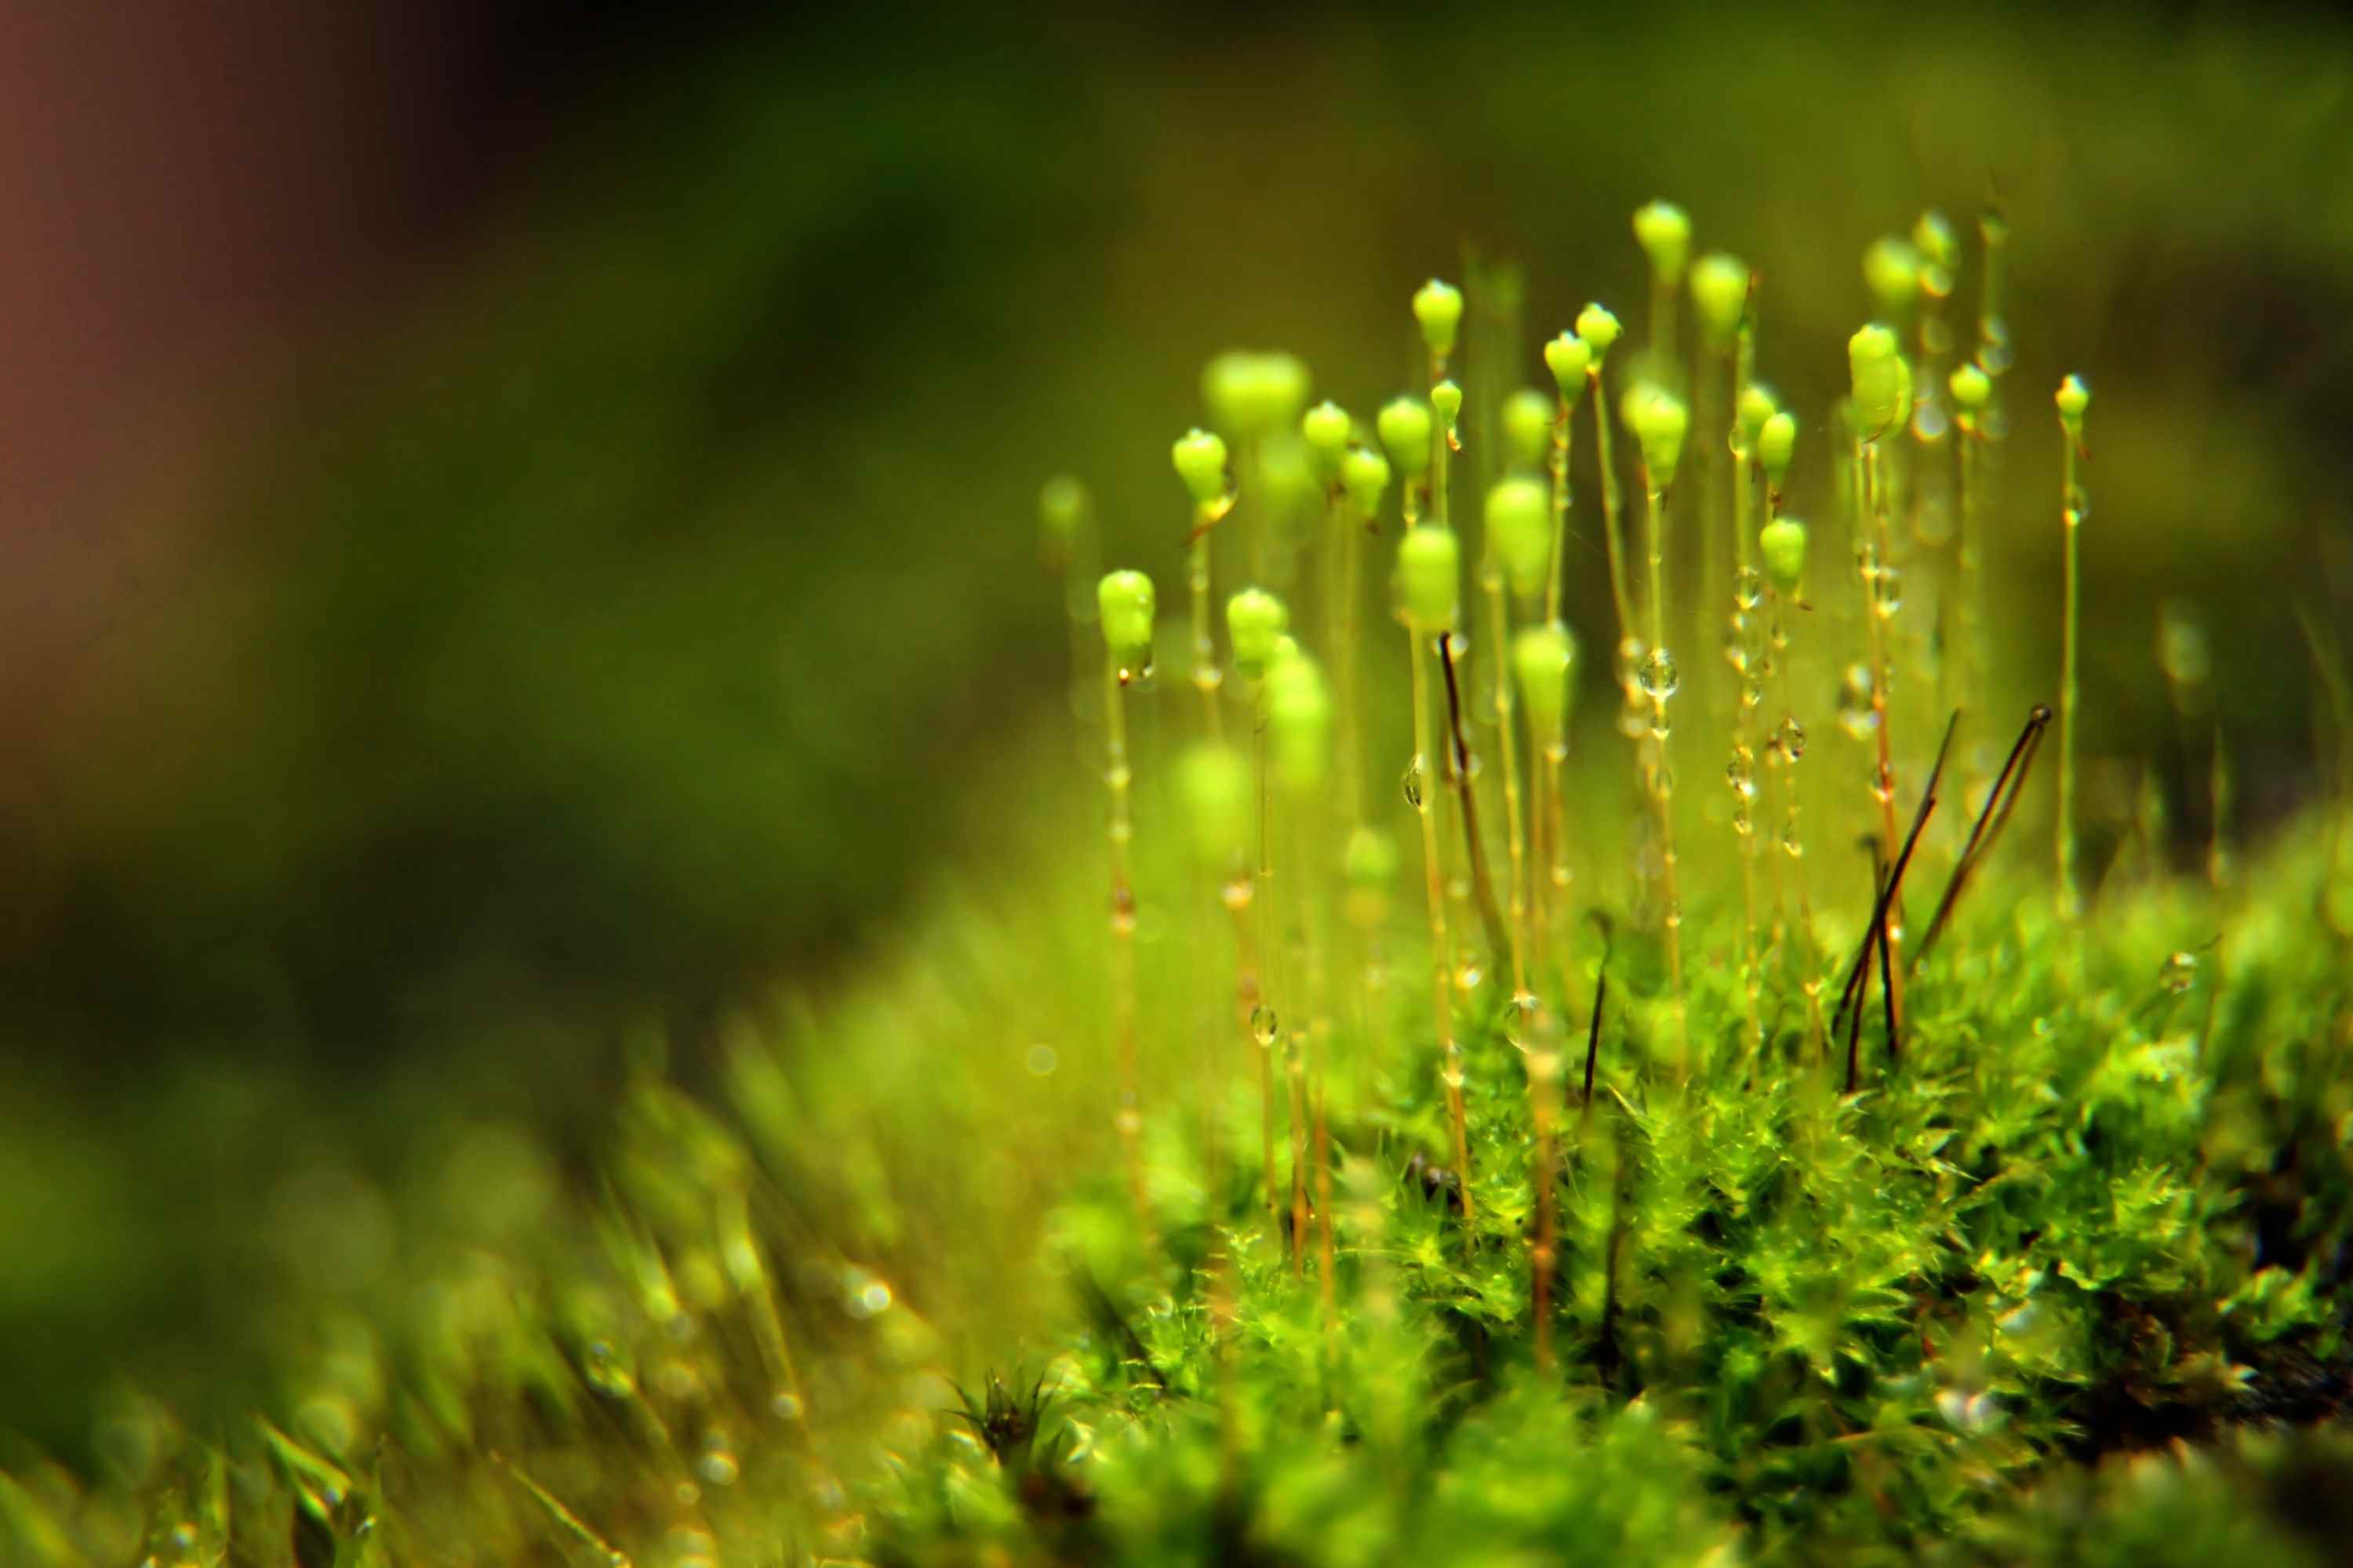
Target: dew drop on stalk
(1887,591)
(1467,972)
(1741,772)
(1264,1027)
(1412,783)
(1792,845)
(1993,351)
(1790,736)
(1748,587)
(1856,716)
(1660,679)
(2179,972)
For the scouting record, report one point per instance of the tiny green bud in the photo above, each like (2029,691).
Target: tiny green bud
(1371,860)
(1891,270)
(1878,376)
(1719,292)
(1598,329)
(1213,782)
(1446,402)
(1519,530)
(1755,405)
(1439,308)
(1326,428)
(1430,576)
(1776,438)
(1254,619)
(1404,427)
(1527,425)
(1568,357)
(1971,387)
(1782,543)
(1366,475)
(1254,394)
(2073,398)
(1200,459)
(1542,657)
(1299,722)
(1125,600)
(1663,231)
(1660,422)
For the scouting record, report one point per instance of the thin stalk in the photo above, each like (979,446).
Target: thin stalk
(1467,800)
(1544,1087)
(1248,1002)
(1630,643)
(1749,661)
(1790,745)
(1206,674)
(1875,614)
(1661,778)
(1499,618)
(1129,1119)
(2070,518)
(1563,434)
(1343,653)
(1441,961)
(1267,1029)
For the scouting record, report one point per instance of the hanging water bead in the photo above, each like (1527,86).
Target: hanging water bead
(1741,772)
(1412,782)
(1264,1028)
(1857,717)
(1658,676)
(2179,972)
(1790,736)
(1748,587)
(1886,591)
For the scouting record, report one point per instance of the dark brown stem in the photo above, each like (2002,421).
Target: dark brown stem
(1848,995)
(1491,914)
(1995,811)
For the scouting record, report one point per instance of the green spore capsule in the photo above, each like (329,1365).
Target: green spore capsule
(1430,576)
(1439,308)
(1598,329)
(1299,722)
(1719,294)
(1254,619)
(1252,394)
(1777,438)
(1446,402)
(1200,459)
(1404,425)
(1364,475)
(1878,374)
(1663,231)
(1569,358)
(1326,429)
(1891,270)
(2073,398)
(1214,783)
(1542,658)
(1519,528)
(1527,425)
(1125,600)
(1782,543)
(1659,422)
(1971,387)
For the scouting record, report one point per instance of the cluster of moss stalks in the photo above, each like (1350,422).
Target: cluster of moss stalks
(1769,1170)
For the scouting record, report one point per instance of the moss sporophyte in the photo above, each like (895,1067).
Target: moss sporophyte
(1367,1266)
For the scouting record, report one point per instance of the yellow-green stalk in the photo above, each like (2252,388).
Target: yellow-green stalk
(1660,423)
(1200,461)
(1663,231)
(1782,544)
(1542,657)
(1124,604)
(1299,723)
(1067,548)
(1429,585)
(1969,387)
(1880,405)
(2071,398)
(1598,329)
(1571,360)
(1255,621)
(1518,540)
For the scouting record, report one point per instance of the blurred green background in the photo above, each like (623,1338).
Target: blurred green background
(602,631)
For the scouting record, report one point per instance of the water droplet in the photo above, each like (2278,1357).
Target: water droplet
(1660,679)
(1792,845)
(1041,1060)
(1928,420)
(1748,587)
(1887,591)
(786,1407)
(1263,1025)
(1412,783)
(1735,647)
(1123,911)
(1467,973)
(720,1467)
(1790,736)
(1238,891)
(1881,783)
(1740,822)
(863,1295)
(2179,972)
(1741,772)
(1856,716)
(1993,351)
